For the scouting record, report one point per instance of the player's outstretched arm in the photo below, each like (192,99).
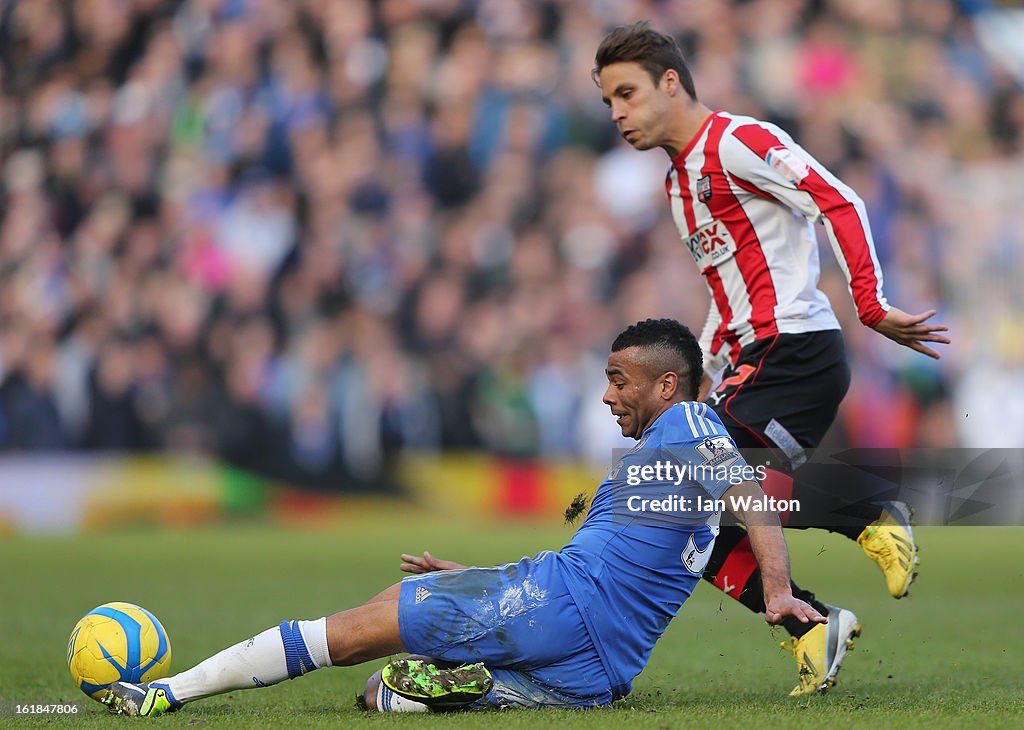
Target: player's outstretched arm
(911,331)
(427,563)
(769,548)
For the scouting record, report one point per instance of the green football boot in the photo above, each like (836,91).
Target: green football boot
(143,699)
(436,687)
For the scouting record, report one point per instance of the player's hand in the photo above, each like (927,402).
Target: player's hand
(911,331)
(426,564)
(778,607)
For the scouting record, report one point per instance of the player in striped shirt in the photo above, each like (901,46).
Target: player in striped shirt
(744,197)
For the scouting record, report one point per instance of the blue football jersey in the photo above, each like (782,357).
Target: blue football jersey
(632,564)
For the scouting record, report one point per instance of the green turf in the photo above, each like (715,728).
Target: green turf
(949,656)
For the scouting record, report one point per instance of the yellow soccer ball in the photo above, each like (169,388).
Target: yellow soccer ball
(117,642)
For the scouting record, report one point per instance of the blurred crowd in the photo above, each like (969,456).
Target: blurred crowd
(306,235)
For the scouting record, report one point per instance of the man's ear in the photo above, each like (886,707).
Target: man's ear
(669,385)
(670,81)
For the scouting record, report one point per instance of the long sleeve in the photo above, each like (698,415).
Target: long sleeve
(764,160)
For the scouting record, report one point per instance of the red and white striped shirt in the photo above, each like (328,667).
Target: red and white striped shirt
(745,197)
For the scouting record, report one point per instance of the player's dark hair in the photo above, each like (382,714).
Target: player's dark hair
(674,340)
(655,52)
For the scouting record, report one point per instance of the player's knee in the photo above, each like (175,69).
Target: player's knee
(370,692)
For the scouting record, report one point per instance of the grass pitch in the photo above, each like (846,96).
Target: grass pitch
(950,655)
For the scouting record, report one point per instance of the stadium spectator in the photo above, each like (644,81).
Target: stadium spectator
(174,170)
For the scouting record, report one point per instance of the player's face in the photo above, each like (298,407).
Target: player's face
(632,394)
(639,108)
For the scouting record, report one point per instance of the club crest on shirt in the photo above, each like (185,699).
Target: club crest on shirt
(704,189)
(787,163)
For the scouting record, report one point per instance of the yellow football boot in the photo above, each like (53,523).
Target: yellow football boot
(820,652)
(889,541)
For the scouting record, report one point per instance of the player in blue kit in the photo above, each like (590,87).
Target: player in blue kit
(571,628)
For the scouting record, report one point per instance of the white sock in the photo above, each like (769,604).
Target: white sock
(388,701)
(314,633)
(257,662)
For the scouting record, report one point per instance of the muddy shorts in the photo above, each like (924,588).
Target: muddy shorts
(519,620)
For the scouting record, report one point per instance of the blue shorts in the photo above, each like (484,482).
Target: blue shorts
(519,620)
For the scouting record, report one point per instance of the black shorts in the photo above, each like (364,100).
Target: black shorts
(783,393)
